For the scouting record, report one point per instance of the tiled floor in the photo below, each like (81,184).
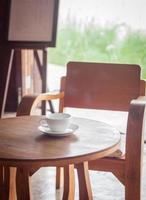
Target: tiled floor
(105,186)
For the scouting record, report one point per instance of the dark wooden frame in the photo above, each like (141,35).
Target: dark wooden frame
(34,44)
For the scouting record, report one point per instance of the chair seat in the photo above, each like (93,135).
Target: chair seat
(116,154)
(121,151)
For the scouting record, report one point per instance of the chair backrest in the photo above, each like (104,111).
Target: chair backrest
(101,85)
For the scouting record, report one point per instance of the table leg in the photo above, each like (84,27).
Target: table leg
(59,177)
(85,192)
(23,184)
(1,181)
(69,183)
(12,189)
(4,183)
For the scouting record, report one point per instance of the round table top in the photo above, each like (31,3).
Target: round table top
(22,142)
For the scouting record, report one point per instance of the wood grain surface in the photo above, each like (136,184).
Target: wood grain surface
(21,142)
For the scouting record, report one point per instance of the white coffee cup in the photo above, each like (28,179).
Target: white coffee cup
(57,122)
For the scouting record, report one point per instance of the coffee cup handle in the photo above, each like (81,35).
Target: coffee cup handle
(43,122)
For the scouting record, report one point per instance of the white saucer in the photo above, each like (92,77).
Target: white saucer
(72,128)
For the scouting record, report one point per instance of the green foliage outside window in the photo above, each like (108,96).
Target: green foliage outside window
(91,42)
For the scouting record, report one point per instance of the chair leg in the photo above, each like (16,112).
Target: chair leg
(132,189)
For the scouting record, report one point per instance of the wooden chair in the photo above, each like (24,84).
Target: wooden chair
(111,87)
(107,87)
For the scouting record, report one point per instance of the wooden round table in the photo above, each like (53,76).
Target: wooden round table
(23,146)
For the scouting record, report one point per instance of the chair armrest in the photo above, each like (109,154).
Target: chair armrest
(140,99)
(139,106)
(29,102)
